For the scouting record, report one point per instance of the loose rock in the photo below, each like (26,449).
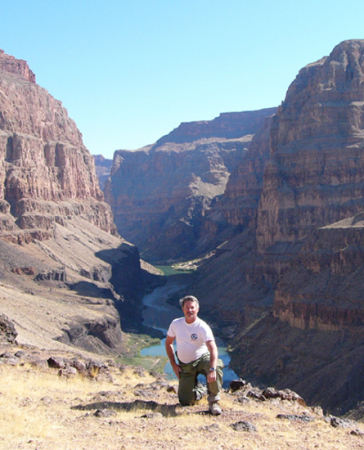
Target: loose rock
(244,426)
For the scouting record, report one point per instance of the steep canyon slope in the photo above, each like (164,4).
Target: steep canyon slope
(64,269)
(294,303)
(161,194)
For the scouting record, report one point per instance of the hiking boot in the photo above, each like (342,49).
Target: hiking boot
(214,409)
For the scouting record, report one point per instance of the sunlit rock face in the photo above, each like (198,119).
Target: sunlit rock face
(46,172)
(15,66)
(316,169)
(56,231)
(309,241)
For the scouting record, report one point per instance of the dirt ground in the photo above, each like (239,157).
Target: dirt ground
(130,409)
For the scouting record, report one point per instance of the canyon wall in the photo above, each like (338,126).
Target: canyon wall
(161,194)
(46,173)
(305,253)
(303,170)
(56,232)
(315,333)
(316,170)
(238,206)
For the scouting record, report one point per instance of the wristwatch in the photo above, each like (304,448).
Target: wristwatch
(212,369)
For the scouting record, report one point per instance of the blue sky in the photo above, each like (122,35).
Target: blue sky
(130,71)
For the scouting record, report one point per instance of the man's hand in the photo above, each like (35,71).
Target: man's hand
(177,370)
(211,376)
(211,345)
(170,353)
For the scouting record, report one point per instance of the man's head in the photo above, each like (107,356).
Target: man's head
(189,298)
(190,307)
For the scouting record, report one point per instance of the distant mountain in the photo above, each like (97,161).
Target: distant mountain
(231,125)
(103,169)
(160,194)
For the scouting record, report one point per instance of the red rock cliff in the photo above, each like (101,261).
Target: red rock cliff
(46,173)
(16,66)
(326,294)
(310,240)
(317,159)
(51,204)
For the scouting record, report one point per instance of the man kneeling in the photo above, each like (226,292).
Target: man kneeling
(196,354)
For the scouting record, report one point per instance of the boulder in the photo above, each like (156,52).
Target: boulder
(8,332)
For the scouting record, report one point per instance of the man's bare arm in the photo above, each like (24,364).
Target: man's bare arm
(211,345)
(170,353)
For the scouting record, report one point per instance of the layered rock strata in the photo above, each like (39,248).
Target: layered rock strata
(316,170)
(315,334)
(46,173)
(303,171)
(161,194)
(57,236)
(309,241)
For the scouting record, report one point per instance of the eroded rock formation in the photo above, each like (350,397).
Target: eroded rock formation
(161,194)
(46,173)
(317,166)
(57,236)
(291,281)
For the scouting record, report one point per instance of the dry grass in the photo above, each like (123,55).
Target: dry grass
(37,412)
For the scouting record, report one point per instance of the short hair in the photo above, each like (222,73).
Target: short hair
(188,298)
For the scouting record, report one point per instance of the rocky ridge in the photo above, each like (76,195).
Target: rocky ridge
(16,66)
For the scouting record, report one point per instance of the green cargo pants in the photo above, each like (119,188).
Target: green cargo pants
(188,389)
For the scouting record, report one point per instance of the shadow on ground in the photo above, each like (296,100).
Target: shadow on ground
(165,410)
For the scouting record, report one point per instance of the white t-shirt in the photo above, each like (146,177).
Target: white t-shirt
(191,338)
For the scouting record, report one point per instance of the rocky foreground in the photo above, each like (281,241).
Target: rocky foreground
(61,400)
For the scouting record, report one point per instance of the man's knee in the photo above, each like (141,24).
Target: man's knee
(186,390)
(186,397)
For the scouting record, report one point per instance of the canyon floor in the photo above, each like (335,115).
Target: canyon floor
(131,409)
